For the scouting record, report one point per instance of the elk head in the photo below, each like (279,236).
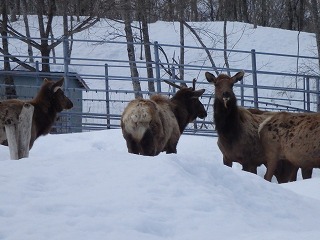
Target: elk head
(190,97)
(51,92)
(224,86)
(61,101)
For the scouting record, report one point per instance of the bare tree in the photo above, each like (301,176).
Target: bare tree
(203,45)
(45,14)
(126,15)
(10,88)
(26,24)
(142,6)
(314,7)
(182,19)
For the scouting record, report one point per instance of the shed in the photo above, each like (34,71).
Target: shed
(28,83)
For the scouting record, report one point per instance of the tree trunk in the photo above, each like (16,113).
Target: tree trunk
(225,46)
(130,47)
(316,24)
(65,29)
(194,10)
(14,6)
(26,23)
(181,60)
(244,7)
(10,90)
(146,43)
(289,14)
(182,20)
(45,31)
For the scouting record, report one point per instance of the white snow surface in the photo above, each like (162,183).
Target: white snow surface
(86,186)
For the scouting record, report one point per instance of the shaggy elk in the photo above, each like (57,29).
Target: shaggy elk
(237,127)
(294,137)
(49,101)
(153,125)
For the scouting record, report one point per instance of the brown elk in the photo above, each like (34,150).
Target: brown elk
(237,127)
(49,101)
(153,125)
(291,136)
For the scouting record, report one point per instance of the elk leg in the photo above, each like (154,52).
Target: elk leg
(171,146)
(249,168)
(227,161)
(131,144)
(293,175)
(306,173)
(285,172)
(148,144)
(272,163)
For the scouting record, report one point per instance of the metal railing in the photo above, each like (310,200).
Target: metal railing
(107,76)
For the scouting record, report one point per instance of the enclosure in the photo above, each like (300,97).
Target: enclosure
(101,87)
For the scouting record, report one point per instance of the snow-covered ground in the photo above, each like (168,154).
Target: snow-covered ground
(86,186)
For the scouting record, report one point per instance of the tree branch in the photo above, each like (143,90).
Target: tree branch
(14,59)
(203,45)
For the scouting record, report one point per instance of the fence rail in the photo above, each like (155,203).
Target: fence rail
(103,85)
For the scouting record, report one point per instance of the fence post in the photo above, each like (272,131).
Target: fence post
(157,65)
(37,75)
(18,132)
(173,72)
(318,94)
(242,93)
(65,61)
(308,93)
(107,94)
(254,78)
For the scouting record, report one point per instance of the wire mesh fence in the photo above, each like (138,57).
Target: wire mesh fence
(101,86)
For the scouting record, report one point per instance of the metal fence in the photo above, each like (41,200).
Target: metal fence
(107,76)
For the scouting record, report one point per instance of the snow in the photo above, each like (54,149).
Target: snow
(86,186)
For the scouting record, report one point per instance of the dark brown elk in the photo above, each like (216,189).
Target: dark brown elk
(237,127)
(49,101)
(154,125)
(291,136)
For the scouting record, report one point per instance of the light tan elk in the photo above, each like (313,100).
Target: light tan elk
(153,125)
(291,136)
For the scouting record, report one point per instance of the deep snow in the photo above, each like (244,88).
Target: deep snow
(86,186)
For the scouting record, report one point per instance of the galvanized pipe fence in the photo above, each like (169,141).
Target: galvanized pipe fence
(101,83)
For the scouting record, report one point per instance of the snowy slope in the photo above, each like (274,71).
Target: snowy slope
(86,186)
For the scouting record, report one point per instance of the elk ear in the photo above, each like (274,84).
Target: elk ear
(57,85)
(45,80)
(210,77)
(238,76)
(198,93)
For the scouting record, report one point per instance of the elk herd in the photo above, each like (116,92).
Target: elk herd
(281,141)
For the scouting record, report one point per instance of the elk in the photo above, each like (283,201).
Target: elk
(49,101)
(237,127)
(154,125)
(294,137)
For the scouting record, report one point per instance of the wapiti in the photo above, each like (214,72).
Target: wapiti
(237,127)
(154,125)
(291,136)
(49,101)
